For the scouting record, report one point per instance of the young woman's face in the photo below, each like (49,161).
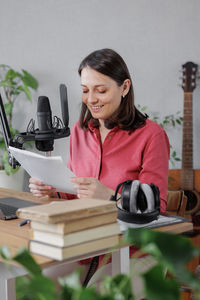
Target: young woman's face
(100,93)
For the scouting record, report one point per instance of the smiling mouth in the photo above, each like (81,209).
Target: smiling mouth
(96,108)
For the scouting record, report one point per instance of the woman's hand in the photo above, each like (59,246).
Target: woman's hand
(38,189)
(90,187)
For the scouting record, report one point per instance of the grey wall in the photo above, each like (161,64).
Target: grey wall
(49,38)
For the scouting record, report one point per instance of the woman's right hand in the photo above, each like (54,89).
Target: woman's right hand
(38,189)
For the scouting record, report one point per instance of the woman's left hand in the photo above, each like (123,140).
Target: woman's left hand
(90,187)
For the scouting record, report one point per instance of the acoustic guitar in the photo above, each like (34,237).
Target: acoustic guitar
(187,178)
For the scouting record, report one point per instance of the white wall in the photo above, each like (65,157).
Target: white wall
(49,38)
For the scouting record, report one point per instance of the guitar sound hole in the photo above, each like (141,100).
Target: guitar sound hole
(192,200)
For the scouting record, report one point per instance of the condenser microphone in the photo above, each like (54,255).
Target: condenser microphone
(44,115)
(45,129)
(49,129)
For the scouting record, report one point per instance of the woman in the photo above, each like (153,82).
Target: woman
(113,141)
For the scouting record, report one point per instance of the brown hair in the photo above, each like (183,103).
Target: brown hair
(110,63)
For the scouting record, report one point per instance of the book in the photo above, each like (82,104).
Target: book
(68,210)
(60,253)
(75,237)
(74,225)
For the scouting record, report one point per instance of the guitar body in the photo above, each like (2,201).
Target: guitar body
(187,179)
(174,183)
(175,179)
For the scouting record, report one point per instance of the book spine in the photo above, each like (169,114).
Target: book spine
(84,249)
(77,237)
(73,226)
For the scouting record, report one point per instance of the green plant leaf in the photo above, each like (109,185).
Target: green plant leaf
(8,108)
(14,83)
(188,278)
(178,121)
(72,288)
(158,287)
(119,287)
(3,66)
(29,80)
(26,90)
(2,143)
(181,252)
(72,281)
(174,154)
(86,294)
(36,288)
(22,286)
(6,166)
(13,131)
(5,253)
(69,284)
(15,92)
(7,84)
(27,261)
(10,75)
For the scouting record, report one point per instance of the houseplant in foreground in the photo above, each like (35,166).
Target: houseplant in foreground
(13,84)
(170,251)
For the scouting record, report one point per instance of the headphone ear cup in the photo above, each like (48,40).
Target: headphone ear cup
(156,192)
(125,195)
(140,203)
(150,199)
(135,186)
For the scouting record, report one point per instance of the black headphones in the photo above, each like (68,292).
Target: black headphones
(140,202)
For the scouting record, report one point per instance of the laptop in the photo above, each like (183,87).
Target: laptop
(9,206)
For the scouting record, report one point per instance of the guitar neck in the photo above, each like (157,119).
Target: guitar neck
(187,144)
(189,84)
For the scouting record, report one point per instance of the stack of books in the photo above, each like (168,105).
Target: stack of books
(72,228)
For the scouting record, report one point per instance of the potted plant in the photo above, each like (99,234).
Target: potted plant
(166,122)
(170,251)
(13,84)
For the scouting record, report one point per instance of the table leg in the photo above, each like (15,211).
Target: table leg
(120,261)
(7,280)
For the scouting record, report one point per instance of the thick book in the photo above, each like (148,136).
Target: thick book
(68,210)
(61,253)
(76,237)
(74,225)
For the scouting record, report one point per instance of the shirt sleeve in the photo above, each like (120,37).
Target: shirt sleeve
(155,164)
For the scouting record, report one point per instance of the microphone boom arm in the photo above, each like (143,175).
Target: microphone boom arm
(7,136)
(4,124)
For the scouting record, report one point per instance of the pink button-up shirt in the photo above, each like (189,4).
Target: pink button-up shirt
(124,155)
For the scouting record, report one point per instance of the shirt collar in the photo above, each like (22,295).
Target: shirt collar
(92,128)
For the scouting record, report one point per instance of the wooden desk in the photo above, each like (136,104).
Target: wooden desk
(14,236)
